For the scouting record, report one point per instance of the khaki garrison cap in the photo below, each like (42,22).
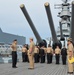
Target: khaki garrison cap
(31,38)
(69,39)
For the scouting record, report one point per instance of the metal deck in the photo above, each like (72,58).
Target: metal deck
(40,69)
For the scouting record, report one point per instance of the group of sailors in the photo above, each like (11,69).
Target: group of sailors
(40,53)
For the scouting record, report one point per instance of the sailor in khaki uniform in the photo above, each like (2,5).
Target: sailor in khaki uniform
(31,53)
(64,55)
(24,53)
(45,49)
(70,55)
(57,54)
(14,53)
(49,52)
(36,54)
(26,56)
(42,54)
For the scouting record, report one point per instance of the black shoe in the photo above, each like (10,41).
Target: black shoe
(14,67)
(70,72)
(31,68)
(48,63)
(64,64)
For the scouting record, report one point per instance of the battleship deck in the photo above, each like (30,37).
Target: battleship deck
(40,69)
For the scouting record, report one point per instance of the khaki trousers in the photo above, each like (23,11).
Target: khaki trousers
(31,60)
(70,66)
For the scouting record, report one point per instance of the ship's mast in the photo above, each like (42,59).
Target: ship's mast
(64,15)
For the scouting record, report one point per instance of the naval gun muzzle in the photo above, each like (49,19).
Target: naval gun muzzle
(72,23)
(39,39)
(53,32)
(61,33)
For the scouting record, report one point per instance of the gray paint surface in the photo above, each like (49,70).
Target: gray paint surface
(40,69)
(61,32)
(72,23)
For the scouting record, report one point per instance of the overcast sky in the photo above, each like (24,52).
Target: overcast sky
(13,21)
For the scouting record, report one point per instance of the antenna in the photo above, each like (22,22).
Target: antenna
(65,1)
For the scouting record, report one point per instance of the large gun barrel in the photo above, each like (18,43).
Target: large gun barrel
(30,23)
(47,7)
(39,40)
(61,33)
(72,23)
(53,32)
